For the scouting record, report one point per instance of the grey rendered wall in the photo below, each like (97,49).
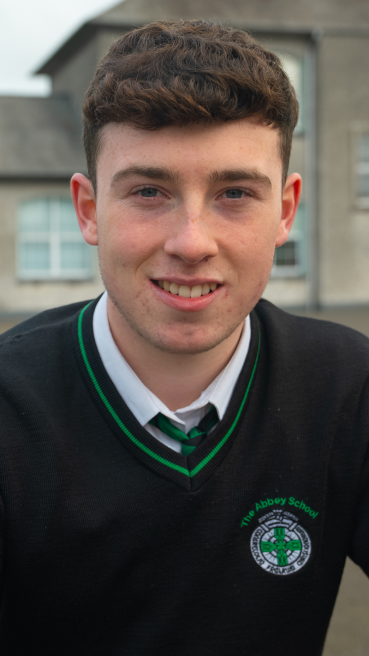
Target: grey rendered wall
(75,76)
(343,87)
(19,296)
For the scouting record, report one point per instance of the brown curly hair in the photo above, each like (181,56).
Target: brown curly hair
(177,73)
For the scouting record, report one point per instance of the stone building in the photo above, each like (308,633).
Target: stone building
(324,45)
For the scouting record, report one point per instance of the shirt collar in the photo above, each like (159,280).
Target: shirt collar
(140,400)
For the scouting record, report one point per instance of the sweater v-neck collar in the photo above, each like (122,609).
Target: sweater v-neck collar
(190,472)
(143,402)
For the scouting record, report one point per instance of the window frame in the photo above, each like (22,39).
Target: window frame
(300,128)
(296,235)
(358,129)
(298,231)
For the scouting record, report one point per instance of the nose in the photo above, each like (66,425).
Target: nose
(192,236)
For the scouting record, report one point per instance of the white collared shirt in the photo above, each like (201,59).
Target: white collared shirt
(143,403)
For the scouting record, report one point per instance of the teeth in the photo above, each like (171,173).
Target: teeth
(196,291)
(185,291)
(173,288)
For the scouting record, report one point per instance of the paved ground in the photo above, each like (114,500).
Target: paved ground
(348,633)
(349,629)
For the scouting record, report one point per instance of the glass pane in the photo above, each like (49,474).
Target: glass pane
(299,222)
(364,148)
(293,67)
(364,185)
(74,255)
(68,219)
(287,254)
(34,216)
(34,256)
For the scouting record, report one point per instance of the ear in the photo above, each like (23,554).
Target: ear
(290,200)
(83,196)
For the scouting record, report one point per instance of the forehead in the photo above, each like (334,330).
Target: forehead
(191,149)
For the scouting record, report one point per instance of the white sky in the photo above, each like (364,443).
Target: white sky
(30,31)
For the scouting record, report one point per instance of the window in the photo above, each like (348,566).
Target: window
(293,66)
(289,259)
(362,170)
(50,244)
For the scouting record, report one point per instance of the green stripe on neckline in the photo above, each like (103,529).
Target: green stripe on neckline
(127,432)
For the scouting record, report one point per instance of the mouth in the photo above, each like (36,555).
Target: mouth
(186,291)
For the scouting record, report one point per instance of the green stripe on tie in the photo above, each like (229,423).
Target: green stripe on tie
(194,437)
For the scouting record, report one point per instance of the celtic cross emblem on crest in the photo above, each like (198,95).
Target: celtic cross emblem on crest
(280,545)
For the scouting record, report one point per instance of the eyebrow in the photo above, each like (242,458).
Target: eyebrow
(235,175)
(167,175)
(152,172)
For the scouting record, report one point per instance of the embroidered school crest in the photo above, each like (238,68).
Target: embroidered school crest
(280,545)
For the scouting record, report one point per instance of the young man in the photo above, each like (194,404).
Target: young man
(182,466)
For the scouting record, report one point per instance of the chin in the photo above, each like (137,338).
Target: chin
(175,348)
(185,344)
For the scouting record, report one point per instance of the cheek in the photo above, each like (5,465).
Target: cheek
(125,242)
(253,250)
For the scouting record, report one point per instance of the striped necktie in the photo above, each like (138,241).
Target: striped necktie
(194,437)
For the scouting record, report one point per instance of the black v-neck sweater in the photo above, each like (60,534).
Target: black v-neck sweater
(114,545)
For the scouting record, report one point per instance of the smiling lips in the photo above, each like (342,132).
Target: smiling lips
(185,291)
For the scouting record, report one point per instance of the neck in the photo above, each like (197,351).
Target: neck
(158,370)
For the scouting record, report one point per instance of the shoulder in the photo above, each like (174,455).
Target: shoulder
(313,343)
(306,332)
(46,321)
(39,342)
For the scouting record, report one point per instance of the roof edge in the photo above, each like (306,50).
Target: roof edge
(78,39)
(68,48)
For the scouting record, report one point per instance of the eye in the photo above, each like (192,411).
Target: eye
(234,193)
(149,192)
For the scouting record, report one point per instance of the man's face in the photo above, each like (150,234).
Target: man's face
(191,209)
